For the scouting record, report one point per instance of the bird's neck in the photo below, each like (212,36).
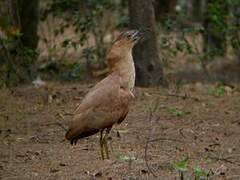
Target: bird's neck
(125,68)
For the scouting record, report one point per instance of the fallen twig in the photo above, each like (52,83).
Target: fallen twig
(181,132)
(146,160)
(185,96)
(164,139)
(59,124)
(225,159)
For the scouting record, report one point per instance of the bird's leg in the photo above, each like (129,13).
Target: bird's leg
(101,144)
(105,143)
(105,138)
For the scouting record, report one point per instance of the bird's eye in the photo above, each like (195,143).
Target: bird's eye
(129,36)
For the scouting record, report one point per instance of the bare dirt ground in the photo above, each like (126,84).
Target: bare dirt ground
(205,128)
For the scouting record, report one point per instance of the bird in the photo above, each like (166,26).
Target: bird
(107,103)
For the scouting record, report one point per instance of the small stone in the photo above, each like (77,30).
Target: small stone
(230,150)
(37,153)
(221,170)
(144,171)
(53,170)
(98,174)
(62,164)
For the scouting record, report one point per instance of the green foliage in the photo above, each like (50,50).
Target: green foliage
(222,23)
(182,165)
(172,44)
(72,71)
(123,22)
(206,159)
(124,158)
(176,112)
(88,53)
(15,57)
(217,12)
(18,51)
(88,18)
(217,91)
(65,69)
(199,173)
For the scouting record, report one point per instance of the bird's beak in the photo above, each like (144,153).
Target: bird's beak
(137,35)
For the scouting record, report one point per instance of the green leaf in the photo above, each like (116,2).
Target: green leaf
(176,112)
(218,91)
(182,165)
(123,21)
(124,158)
(66,43)
(199,172)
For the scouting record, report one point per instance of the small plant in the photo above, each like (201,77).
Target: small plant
(196,173)
(125,158)
(206,159)
(176,112)
(199,173)
(217,91)
(181,167)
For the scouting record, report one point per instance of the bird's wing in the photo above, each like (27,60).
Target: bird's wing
(104,105)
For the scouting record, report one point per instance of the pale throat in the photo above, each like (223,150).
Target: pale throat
(126,69)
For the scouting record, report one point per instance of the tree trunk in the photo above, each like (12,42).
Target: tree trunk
(149,68)
(196,11)
(20,55)
(29,16)
(236,33)
(164,8)
(215,36)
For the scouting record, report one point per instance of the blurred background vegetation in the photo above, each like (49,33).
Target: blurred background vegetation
(186,41)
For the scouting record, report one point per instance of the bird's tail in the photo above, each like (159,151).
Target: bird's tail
(73,134)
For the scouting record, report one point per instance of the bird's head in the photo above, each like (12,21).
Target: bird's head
(121,50)
(128,39)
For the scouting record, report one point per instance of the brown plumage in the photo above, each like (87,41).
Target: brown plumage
(108,101)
